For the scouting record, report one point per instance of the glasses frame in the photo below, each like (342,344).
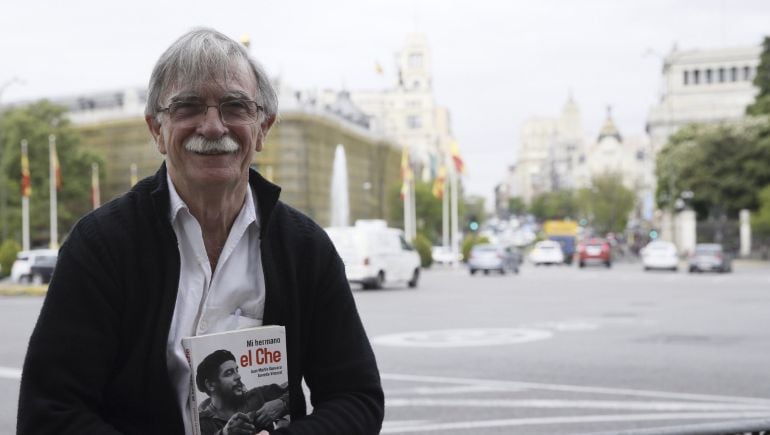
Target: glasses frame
(218,106)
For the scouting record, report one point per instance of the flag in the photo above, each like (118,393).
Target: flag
(438,182)
(459,164)
(26,186)
(406,172)
(95,191)
(55,165)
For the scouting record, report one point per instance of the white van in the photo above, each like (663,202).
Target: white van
(375,255)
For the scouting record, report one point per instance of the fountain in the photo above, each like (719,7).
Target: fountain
(339,200)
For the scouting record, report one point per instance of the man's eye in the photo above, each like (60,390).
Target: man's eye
(236,107)
(185,109)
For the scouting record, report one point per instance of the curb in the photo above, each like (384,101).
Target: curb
(23,290)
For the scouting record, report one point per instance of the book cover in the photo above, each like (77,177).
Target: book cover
(239,380)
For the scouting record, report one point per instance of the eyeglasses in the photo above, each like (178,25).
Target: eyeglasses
(231,112)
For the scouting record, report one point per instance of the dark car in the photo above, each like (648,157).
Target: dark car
(489,257)
(710,257)
(595,251)
(42,268)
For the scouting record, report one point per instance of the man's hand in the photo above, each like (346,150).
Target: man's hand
(238,424)
(268,413)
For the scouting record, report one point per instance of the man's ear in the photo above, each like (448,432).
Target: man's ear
(264,127)
(155,131)
(209,386)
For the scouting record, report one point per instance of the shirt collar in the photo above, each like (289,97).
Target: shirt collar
(178,204)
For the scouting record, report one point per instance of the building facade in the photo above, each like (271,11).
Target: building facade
(702,86)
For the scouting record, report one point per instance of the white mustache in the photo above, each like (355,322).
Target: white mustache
(201,145)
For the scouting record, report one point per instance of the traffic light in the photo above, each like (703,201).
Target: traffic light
(653,234)
(473,223)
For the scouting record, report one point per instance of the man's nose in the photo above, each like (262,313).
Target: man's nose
(212,127)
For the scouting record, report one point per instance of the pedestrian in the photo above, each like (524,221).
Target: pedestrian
(202,246)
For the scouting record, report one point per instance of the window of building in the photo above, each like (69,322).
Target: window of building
(686,78)
(709,76)
(721,75)
(733,74)
(696,77)
(746,73)
(414,122)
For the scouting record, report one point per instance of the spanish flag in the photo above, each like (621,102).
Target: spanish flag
(26,186)
(459,164)
(438,182)
(406,172)
(55,164)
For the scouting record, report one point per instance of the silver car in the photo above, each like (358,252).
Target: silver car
(489,257)
(710,257)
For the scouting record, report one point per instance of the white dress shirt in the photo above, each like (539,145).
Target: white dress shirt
(233,297)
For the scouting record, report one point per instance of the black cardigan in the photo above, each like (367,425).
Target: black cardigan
(96,362)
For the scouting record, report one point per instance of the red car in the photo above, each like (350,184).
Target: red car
(596,251)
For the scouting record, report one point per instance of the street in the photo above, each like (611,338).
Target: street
(551,350)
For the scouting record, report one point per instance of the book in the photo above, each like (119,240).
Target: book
(239,379)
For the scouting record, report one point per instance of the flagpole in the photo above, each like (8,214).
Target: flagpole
(54,244)
(25,188)
(455,227)
(413,209)
(445,219)
(96,197)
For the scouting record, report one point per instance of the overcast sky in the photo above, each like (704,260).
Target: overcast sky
(495,63)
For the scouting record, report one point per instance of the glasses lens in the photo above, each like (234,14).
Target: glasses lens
(238,112)
(186,111)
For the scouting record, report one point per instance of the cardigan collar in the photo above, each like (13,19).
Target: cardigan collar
(267,195)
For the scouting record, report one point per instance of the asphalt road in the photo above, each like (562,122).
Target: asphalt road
(551,350)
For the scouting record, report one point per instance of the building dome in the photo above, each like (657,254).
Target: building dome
(609,129)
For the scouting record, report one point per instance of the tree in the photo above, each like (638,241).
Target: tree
(429,209)
(760,221)
(761,105)
(516,205)
(560,204)
(35,123)
(724,166)
(607,203)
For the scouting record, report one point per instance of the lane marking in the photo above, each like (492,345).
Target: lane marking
(630,405)
(513,385)
(573,419)
(463,337)
(10,373)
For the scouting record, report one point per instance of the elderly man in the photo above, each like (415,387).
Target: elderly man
(202,246)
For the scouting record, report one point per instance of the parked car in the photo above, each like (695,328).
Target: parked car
(546,252)
(375,255)
(488,257)
(660,254)
(443,255)
(708,257)
(34,266)
(594,251)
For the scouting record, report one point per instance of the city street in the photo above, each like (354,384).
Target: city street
(551,350)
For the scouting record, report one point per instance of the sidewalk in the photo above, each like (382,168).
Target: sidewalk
(10,289)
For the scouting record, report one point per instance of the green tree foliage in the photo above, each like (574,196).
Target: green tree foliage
(469,242)
(760,221)
(474,211)
(516,205)
(35,123)
(560,204)
(424,248)
(724,166)
(429,210)
(761,105)
(8,251)
(607,203)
